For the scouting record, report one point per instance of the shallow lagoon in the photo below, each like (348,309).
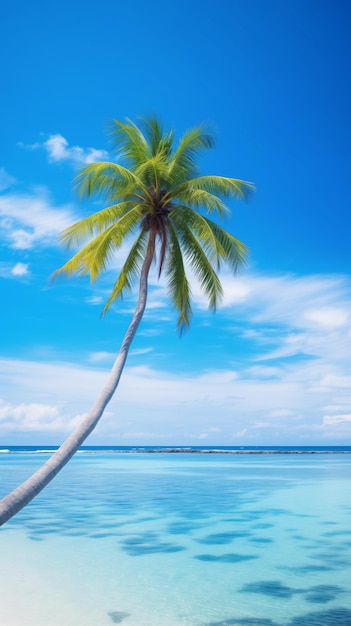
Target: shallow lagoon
(180,539)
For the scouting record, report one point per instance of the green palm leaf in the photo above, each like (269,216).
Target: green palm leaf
(109,180)
(199,198)
(94,257)
(183,164)
(202,266)
(153,171)
(90,226)
(130,142)
(234,252)
(203,231)
(220,186)
(130,270)
(178,285)
(160,142)
(110,240)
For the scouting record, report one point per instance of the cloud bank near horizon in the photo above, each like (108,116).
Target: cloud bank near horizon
(294,383)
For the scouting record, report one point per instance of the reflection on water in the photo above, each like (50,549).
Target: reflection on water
(246,541)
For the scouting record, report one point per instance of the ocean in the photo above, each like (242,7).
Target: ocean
(159,536)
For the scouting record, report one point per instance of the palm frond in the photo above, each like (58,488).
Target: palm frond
(198,198)
(220,186)
(110,240)
(202,266)
(201,227)
(153,170)
(160,142)
(232,251)
(130,142)
(77,264)
(183,163)
(178,285)
(154,133)
(109,180)
(95,256)
(93,224)
(130,270)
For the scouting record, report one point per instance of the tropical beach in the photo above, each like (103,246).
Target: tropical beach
(175,422)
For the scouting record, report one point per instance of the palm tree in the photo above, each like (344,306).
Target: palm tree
(155,193)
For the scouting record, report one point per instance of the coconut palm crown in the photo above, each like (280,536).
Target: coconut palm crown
(155,191)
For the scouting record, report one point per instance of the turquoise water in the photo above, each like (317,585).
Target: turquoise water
(180,539)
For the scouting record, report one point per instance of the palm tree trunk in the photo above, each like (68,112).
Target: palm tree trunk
(22,495)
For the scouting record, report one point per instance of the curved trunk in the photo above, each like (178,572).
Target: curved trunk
(17,499)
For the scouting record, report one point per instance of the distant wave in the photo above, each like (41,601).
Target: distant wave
(5,451)
(44,451)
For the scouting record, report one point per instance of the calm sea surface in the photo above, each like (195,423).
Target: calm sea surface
(131,537)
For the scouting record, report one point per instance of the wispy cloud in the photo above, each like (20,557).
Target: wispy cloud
(58,149)
(328,317)
(292,315)
(140,352)
(6,180)
(94,300)
(337,419)
(174,405)
(29,219)
(292,384)
(97,357)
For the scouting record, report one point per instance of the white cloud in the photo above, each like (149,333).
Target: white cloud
(337,407)
(336,381)
(328,317)
(97,357)
(6,180)
(140,351)
(150,332)
(132,435)
(236,291)
(58,149)
(20,269)
(34,417)
(283,316)
(294,316)
(28,219)
(168,405)
(283,296)
(240,434)
(337,419)
(291,399)
(94,300)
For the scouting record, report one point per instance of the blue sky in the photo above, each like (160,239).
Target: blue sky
(272,367)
